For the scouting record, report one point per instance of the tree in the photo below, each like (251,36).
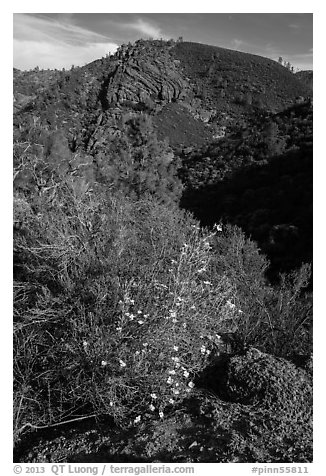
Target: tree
(138,164)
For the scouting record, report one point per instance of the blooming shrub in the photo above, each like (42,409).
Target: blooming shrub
(120,304)
(116,301)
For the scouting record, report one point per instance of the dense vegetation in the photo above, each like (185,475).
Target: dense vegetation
(127,309)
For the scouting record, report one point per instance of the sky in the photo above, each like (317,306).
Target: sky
(60,40)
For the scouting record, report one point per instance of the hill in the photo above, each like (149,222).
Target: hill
(213,86)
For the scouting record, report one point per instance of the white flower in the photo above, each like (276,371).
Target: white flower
(203,349)
(186,373)
(172,372)
(176,392)
(169,380)
(161,414)
(151,407)
(176,348)
(175,359)
(241,312)
(85,343)
(122,363)
(139,312)
(171,401)
(218,337)
(154,396)
(104,363)
(140,322)
(218,227)
(177,365)
(145,315)
(208,283)
(174,321)
(119,329)
(191,384)
(145,344)
(184,325)
(111,404)
(173,313)
(193,307)
(131,317)
(137,352)
(208,352)
(137,419)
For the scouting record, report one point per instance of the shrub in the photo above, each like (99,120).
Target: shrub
(117,307)
(277,319)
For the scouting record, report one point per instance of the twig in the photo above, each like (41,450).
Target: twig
(43,427)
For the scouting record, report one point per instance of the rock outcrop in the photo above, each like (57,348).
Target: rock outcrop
(145,71)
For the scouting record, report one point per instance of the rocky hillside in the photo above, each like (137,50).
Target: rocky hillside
(204,86)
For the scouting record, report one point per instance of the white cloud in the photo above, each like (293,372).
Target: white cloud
(47,43)
(28,54)
(145,28)
(236,44)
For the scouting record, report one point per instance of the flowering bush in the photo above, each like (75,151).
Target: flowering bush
(120,304)
(117,308)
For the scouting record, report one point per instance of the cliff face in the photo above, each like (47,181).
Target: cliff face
(144,71)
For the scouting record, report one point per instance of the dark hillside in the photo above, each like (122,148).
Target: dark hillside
(272,204)
(306,77)
(226,78)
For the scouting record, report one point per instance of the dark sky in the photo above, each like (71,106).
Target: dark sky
(60,40)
